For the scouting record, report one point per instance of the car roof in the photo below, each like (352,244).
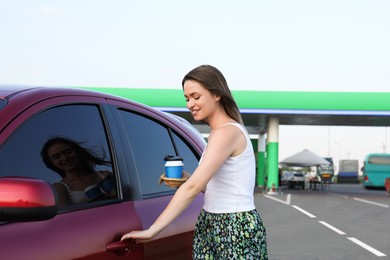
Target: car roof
(7,91)
(21,92)
(22,96)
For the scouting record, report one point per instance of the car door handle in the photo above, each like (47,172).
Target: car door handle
(121,247)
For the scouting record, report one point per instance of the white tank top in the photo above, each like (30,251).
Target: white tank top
(231,188)
(76,196)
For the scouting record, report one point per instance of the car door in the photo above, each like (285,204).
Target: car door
(84,231)
(150,138)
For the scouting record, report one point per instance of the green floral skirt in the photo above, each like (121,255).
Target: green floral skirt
(238,235)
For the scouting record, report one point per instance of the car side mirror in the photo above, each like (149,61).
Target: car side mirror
(25,199)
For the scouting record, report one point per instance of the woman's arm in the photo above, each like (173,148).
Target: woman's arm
(108,184)
(222,144)
(62,194)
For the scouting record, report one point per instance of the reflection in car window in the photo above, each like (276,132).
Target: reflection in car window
(76,164)
(151,142)
(20,154)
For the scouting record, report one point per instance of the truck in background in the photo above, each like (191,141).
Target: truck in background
(326,172)
(348,171)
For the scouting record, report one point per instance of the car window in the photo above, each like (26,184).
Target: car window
(191,160)
(151,141)
(20,154)
(3,102)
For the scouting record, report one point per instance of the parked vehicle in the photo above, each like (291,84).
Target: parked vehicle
(135,138)
(348,171)
(376,169)
(293,179)
(327,171)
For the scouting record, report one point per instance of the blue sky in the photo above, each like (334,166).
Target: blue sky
(311,45)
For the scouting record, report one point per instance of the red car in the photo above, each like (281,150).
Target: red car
(133,137)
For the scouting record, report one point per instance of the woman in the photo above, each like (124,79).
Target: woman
(80,182)
(229,226)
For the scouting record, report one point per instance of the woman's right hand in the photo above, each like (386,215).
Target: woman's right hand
(140,235)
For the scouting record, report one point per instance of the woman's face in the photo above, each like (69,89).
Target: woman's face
(200,101)
(63,156)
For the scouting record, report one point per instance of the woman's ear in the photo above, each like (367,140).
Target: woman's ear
(217,98)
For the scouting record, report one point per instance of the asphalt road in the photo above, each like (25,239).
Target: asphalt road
(345,222)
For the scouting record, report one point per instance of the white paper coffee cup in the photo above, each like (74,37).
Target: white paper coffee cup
(174,169)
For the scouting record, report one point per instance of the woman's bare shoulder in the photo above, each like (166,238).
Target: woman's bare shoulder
(61,186)
(227,130)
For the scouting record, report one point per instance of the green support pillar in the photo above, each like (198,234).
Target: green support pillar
(273,167)
(260,180)
(273,155)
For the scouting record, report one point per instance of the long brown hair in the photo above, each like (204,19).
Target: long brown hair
(214,81)
(88,158)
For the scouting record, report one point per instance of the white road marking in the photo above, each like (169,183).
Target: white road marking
(339,195)
(288,199)
(338,231)
(371,202)
(367,247)
(304,211)
(287,202)
(354,240)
